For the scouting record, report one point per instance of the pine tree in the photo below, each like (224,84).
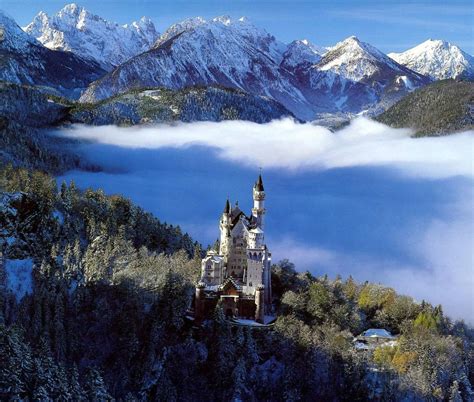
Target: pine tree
(454,393)
(239,379)
(58,324)
(15,361)
(95,388)
(251,353)
(76,391)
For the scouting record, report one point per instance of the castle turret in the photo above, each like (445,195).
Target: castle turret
(258,210)
(224,226)
(199,303)
(260,304)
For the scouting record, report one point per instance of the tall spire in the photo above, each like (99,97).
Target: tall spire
(227,206)
(259,183)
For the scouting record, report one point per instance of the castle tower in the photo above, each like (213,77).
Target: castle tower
(260,304)
(258,210)
(224,226)
(199,303)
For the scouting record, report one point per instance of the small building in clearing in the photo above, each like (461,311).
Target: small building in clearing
(373,337)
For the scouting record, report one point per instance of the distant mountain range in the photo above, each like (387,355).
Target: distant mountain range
(351,77)
(75,52)
(77,30)
(24,60)
(438,60)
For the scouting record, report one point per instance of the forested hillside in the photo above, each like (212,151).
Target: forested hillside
(26,113)
(443,107)
(161,105)
(103,315)
(28,117)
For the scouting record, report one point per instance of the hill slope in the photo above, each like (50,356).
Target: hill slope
(94,298)
(440,108)
(189,104)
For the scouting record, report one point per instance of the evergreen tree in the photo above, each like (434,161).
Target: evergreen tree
(454,393)
(75,388)
(95,388)
(239,380)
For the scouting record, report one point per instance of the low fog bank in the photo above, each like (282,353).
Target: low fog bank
(367,201)
(291,145)
(443,273)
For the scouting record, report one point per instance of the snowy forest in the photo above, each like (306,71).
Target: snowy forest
(104,317)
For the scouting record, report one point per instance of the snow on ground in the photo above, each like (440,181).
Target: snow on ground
(268,319)
(19,276)
(377,332)
(406,81)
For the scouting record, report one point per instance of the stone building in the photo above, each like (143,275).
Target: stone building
(239,273)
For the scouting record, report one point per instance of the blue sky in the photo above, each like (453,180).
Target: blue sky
(387,24)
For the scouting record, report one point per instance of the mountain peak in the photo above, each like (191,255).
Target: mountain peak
(72,10)
(301,53)
(438,59)
(12,36)
(351,39)
(75,29)
(223,19)
(353,47)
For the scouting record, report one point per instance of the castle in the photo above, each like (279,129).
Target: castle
(239,274)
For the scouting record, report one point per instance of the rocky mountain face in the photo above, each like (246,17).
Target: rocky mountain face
(23,60)
(437,59)
(230,53)
(189,104)
(354,76)
(301,54)
(77,30)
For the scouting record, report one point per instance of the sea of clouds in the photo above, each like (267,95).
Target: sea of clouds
(288,144)
(442,270)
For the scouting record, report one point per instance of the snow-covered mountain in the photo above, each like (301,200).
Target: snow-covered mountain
(301,54)
(437,59)
(77,30)
(23,60)
(350,77)
(222,51)
(354,76)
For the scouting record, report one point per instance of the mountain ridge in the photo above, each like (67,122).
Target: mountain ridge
(350,78)
(438,59)
(26,61)
(75,29)
(236,54)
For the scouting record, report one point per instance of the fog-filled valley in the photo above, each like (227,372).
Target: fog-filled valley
(367,201)
(196,208)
